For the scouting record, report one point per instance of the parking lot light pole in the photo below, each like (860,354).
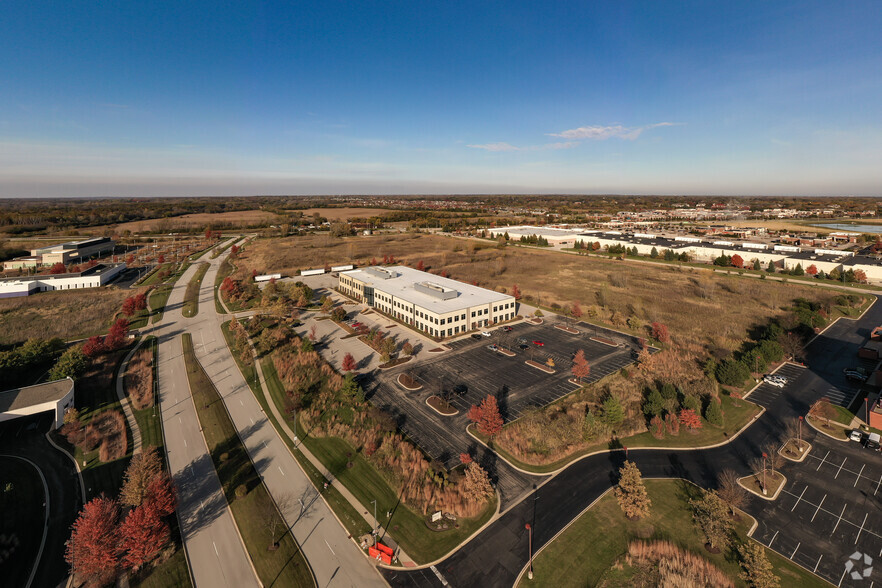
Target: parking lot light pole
(530,569)
(799,434)
(867,409)
(764,473)
(376,523)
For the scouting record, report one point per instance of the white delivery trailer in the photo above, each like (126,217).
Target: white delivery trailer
(267,277)
(342,268)
(312,272)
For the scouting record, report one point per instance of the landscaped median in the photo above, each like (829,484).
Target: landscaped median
(159,296)
(595,547)
(249,499)
(737,417)
(191,295)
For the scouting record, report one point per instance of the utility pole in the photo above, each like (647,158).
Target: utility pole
(376,523)
(530,569)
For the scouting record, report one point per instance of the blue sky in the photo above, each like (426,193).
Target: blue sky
(225,98)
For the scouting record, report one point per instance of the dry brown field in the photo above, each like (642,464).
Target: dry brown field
(778,225)
(242,218)
(700,308)
(333,214)
(69,315)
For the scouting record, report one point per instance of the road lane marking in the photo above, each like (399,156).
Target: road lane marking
(185,442)
(818,509)
(861,530)
(840,519)
(840,468)
(281,470)
(822,461)
(815,571)
(329,547)
(215,548)
(859,475)
(773,539)
(798,499)
(794,551)
(251,419)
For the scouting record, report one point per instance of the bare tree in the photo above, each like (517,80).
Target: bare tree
(272,517)
(730,491)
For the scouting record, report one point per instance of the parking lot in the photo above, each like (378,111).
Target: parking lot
(828,512)
(471,371)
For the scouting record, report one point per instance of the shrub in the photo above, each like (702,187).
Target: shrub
(714,412)
(732,373)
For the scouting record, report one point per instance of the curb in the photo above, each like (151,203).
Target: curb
(763,496)
(825,433)
(45,517)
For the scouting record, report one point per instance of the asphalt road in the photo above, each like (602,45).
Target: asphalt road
(336,559)
(497,555)
(65,495)
(215,551)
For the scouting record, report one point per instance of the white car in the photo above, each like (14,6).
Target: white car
(777,381)
(856,435)
(486,334)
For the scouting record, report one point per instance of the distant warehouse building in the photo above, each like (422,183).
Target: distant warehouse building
(94,277)
(74,251)
(552,235)
(439,306)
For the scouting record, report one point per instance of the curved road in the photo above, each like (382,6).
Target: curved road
(498,554)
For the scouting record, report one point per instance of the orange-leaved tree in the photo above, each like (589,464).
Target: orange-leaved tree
(487,416)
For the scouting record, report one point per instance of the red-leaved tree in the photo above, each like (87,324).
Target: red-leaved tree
(93,347)
(737,261)
(161,258)
(812,270)
(577,310)
(58,268)
(143,535)
(349,363)
(581,369)
(141,301)
(660,332)
(516,292)
(92,548)
(116,338)
(487,416)
(161,495)
(465,458)
(860,276)
(689,419)
(128,306)
(421,266)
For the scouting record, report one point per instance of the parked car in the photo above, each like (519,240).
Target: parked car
(872,441)
(476,335)
(538,343)
(856,435)
(523,346)
(493,347)
(506,329)
(857,374)
(486,334)
(778,381)
(522,341)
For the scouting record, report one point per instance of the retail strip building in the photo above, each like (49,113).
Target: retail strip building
(438,306)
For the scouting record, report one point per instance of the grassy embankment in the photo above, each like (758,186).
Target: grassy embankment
(589,549)
(736,417)
(191,295)
(285,566)
(21,516)
(159,296)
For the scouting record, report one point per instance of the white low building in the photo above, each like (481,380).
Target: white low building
(438,306)
(56,396)
(94,277)
(552,235)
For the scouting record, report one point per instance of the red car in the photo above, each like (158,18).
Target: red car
(506,329)
(538,343)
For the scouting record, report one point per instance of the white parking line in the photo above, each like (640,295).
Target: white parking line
(798,499)
(818,509)
(329,547)
(859,475)
(822,461)
(815,571)
(840,468)
(861,530)
(845,571)
(773,539)
(215,548)
(877,486)
(794,551)
(840,519)
(185,442)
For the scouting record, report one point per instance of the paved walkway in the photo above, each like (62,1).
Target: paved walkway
(124,399)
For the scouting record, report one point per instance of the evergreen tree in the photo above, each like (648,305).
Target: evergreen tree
(71,364)
(714,412)
(758,571)
(756,265)
(612,413)
(653,253)
(631,492)
(654,403)
(711,515)
(798,271)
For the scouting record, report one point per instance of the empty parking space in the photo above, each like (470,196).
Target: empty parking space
(765,394)
(828,512)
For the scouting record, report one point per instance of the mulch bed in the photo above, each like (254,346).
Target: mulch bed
(437,350)
(506,352)
(535,321)
(394,362)
(408,383)
(440,406)
(605,341)
(570,330)
(539,366)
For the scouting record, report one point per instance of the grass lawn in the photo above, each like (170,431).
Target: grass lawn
(585,553)
(154,278)
(407,527)
(285,566)
(159,296)
(223,271)
(172,572)
(735,419)
(21,515)
(191,296)
(139,319)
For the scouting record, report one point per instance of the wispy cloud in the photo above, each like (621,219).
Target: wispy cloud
(509,147)
(601,133)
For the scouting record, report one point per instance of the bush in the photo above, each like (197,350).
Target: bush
(714,412)
(241,491)
(771,351)
(732,373)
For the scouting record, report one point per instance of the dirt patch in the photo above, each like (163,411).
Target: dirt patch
(335,214)
(441,406)
(217,220)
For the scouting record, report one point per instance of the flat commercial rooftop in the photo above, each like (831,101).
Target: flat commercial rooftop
(404,281)
(19,398)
